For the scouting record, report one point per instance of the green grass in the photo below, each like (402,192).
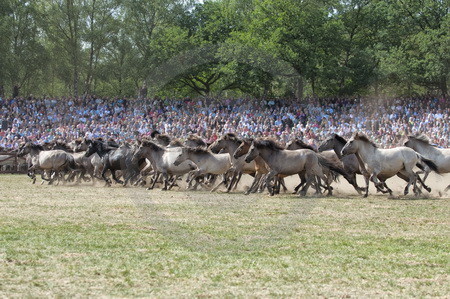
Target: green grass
(126,242)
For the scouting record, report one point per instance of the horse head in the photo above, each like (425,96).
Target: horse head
(242,148)
(355,143)
(183,156)
(328,144)
(253,152)
(95,146)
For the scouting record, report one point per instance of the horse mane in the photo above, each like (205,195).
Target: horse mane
(249,140)
(229,136)
(164,138)
(63,145)
(154,133)
(304,145)
(364,138)
(198,150)
(78,141)
(340,138)
(269,143)
(421,138)
(35,146)
(152,145)
(176,142)
(197,139)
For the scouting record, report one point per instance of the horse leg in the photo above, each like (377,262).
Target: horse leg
(276,185)
(422,182)
(165,181)
(107,180)
(269,185)
(113,173)
(238,179)
(302,182)
(254,186)
(309,180)
(155,179)
(448,188)
(223,182)
(352,180)
(412,178)
(174,180)
(232,181)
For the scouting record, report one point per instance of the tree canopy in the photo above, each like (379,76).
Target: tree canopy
(224,47)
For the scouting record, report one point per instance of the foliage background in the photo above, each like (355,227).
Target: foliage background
(291,48)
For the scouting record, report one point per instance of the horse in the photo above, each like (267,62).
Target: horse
(195,141)
(350,162)
(113,159)
(51,161)
(228,144)
(329,156)
(162,139)
(440,156)
(260,166)
(286,162)
(382,164)
(162,160)
(94,164)
(206,161)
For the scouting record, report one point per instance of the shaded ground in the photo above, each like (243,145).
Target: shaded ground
(94,241)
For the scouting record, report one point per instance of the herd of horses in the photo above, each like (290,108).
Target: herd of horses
(163,160)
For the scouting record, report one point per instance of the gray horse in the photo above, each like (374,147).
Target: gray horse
(52,161)
(440,156)
(382,164)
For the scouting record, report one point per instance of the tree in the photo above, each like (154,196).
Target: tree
(23,54)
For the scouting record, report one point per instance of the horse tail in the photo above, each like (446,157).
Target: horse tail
(337,169)
(428,162)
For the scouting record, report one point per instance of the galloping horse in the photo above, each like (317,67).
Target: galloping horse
(350,162)
(440,156)
(286,162)
(382,164)
(206,161)
(114,159)
(229,143)
(48,161)
(162,160)
(329,156)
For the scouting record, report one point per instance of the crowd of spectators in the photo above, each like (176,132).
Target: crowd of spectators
(385,121)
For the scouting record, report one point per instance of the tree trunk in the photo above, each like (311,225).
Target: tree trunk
(444,87)
(299,87)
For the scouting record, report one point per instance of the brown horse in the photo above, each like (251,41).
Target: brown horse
(286,162)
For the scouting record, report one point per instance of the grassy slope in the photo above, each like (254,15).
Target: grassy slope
(66,240)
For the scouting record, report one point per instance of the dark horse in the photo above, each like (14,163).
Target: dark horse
(114,159)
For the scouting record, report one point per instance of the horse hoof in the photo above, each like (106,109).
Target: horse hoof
(428,189)
(365,195)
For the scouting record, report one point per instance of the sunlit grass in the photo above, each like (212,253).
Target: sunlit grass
(93,241)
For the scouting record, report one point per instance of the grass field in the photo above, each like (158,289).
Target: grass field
(126,242)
